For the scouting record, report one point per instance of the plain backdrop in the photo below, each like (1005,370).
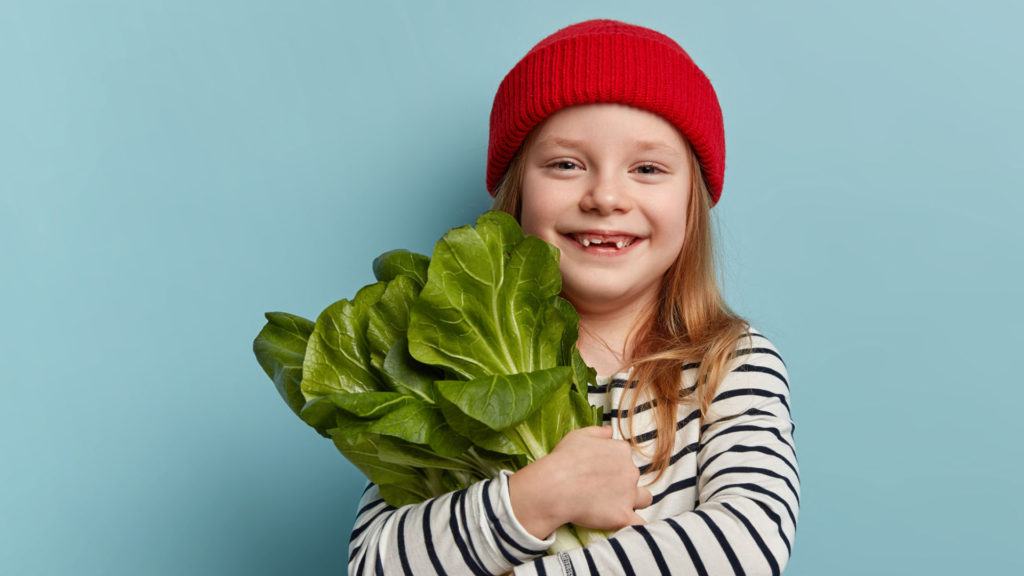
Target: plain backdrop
(170,170)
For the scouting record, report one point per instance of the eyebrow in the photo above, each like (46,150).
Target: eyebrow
(646,145)
(559,142)
(642,145)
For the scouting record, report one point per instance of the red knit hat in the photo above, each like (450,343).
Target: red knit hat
(608,61)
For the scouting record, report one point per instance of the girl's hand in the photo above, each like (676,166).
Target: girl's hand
(589,479)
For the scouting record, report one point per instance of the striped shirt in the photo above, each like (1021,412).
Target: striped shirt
(727,504)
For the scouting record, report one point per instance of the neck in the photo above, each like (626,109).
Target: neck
(605,336)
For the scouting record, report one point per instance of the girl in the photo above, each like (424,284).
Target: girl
(607,141)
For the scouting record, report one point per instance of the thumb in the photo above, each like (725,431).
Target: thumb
(637,520)
(643,498)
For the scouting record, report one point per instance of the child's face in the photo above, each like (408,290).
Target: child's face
(608,185)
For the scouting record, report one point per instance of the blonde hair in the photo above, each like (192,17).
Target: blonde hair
(691,323)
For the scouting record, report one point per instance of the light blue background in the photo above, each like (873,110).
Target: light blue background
(171,170)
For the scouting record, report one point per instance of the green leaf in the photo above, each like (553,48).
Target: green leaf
(402,471)
(586,415)
(499,230)
(338,355)
(502,401)
(404,417)
(361,448)
(529,290)
(412,422)
(418,422)
(369,404)
(280,349)
(553,419)
(408,376)
(388,318)
(400,494)
(445,441)
(390,265)
(570,334)
(484,308)
(405,454)
(321,414)
(477,433)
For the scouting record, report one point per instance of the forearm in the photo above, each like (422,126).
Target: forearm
(471,531)
(739,537)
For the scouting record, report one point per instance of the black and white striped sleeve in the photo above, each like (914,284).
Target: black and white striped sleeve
(471,531)
(747,490)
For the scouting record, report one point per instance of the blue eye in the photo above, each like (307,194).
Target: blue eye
(648,169)
(564,165)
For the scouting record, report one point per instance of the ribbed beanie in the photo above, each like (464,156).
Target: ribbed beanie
(608,61)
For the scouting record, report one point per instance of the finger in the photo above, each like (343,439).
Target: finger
(598,431)
(637,520)
(643,498)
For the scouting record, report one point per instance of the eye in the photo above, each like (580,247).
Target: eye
(649,169)
(564,165)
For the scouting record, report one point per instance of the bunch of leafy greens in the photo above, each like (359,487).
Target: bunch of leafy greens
(446,370)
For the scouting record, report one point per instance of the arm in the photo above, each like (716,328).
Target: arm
(471,532)
(747,487)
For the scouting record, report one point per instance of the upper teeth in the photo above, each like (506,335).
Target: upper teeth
(585,241)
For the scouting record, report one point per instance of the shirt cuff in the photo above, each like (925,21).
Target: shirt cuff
(511,524)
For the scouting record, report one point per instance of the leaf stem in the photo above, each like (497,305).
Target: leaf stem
(535,450)
(569,537)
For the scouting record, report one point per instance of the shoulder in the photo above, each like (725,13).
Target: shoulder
(753,351)
(756,374)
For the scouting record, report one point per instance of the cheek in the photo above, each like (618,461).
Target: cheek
(670,217)
(537,214)
(528,219)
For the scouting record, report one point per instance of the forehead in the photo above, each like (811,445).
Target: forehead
(607,123)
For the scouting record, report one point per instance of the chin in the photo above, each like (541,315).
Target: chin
(598,297)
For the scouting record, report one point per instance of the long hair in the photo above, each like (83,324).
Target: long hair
(690,325)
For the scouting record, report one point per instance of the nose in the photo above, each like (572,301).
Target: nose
(605,194)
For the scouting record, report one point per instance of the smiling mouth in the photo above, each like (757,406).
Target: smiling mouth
(618,241)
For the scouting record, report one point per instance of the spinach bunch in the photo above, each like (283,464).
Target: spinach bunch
(446,370)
